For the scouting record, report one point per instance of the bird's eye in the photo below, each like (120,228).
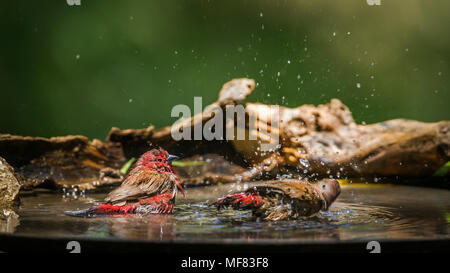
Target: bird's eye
(323,187)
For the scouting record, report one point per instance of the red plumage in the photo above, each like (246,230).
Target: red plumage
(243,200)
(289,199)
(151,187)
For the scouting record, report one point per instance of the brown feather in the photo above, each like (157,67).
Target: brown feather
(142,183)
(305,198)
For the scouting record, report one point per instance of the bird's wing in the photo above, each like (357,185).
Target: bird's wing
(142,183)
(307,199)
(288,188)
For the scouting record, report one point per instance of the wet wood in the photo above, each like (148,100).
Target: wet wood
(9,186)
(325,140)
(62,162)
(315,141)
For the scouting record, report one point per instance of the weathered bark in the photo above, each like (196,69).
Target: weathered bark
(9,186)
(315,141)
(325,140)
(9,192)
(71,161)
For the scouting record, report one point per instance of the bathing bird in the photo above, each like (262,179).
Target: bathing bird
(278,200)
(149,188)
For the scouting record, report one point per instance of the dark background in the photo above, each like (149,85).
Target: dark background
(83,69)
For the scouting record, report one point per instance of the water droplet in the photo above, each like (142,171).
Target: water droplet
(304,162)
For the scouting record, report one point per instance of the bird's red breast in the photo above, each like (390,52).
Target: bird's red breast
(153,175)
(150,187)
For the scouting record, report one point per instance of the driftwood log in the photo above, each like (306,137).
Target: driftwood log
(314,141)
(65,162)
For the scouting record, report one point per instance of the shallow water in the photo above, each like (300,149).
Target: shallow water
(361,212)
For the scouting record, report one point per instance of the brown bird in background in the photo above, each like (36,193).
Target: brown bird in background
(278,200)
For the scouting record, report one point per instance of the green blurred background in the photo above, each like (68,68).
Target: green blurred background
(81,70)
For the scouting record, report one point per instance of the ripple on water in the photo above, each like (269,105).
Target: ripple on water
(360,214)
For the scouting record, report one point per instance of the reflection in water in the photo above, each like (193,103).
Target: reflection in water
(9,220)
(361,213)
(157,227)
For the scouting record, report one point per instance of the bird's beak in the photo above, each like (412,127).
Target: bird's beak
(172,158)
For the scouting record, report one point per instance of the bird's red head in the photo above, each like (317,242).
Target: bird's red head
(161,161)
(157,159)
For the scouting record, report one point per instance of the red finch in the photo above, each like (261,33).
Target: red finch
(151,187)
(278,200)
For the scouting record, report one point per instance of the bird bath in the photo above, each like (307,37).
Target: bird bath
(362,213)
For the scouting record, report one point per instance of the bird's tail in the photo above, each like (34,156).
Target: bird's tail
(103,210)
(243,200)
(157,204)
